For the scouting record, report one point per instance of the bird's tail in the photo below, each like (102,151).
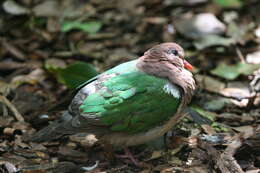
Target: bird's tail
(55,130)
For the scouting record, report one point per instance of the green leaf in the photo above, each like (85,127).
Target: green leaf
(206,115)
(209,115)
(89,27)
(226,71)
(229,3)
(231,72)
(74,74)
(212,40)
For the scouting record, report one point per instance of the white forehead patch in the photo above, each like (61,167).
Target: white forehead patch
(172,89)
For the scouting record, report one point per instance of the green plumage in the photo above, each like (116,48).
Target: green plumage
(125,106)
(130,101)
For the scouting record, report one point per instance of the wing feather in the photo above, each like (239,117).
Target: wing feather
(129,102)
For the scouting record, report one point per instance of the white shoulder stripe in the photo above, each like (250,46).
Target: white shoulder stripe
(172,89)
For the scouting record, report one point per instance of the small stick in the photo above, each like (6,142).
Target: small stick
(12,49)
(225,162)
(240,55)
(17,115)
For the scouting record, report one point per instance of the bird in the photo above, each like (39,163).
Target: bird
(132,103)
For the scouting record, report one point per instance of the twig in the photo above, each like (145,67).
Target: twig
(254,88)
(17,115)
(223,161)
(240,55)
(12,49)
(251,100)
(230,163)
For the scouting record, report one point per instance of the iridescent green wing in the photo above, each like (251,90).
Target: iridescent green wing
(130,102)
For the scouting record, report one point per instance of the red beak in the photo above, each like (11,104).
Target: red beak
(187,65)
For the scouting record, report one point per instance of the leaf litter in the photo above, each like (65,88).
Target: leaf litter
(45,46)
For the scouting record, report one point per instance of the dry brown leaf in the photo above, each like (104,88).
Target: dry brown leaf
(33,78)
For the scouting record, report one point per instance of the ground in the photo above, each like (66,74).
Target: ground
(47,48)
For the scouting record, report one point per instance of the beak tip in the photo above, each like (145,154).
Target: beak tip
(188,65)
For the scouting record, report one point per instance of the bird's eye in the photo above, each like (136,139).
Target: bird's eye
(174,52)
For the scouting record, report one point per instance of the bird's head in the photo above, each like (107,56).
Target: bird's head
(171,53)
(166,60)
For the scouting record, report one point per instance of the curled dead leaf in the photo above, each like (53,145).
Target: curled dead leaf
(33,78)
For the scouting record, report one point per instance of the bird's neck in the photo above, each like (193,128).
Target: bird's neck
(176,76)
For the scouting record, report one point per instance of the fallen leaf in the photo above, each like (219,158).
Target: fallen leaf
(239,93)
(70,153)
(34,77)
(198,168)
(89,27)
(5,88)
(216,104)
(86,140)
(208,129)
(48,8)
(240,33)
(54,64)
(231,72)
(229,3)
(257,32)
(75,74)
(156,154)
(14,8)
(200,25)
(175,161)
(9,167)
(212,40)
(27,100)
(91,49)
(253,58)
(209,115)
(209,83)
